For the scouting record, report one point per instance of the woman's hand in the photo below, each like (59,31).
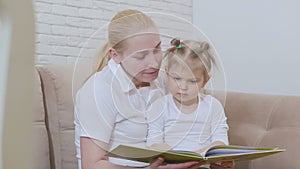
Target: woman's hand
(223,165)
(159,164)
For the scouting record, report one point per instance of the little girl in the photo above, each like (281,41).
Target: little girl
(186,118)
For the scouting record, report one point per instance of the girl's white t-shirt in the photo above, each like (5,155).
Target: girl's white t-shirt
(167,124)
(109,108)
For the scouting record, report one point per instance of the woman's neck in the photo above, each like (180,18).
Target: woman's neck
(139,84)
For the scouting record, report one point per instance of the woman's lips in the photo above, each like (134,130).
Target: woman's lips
(151,73)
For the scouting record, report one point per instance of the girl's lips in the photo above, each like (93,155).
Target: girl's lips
(182,94)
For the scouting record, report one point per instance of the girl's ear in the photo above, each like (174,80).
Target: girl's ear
(206,79)
(114,55)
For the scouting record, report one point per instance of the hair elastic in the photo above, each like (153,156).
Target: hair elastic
(179,46)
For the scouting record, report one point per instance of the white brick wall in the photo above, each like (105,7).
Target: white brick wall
(64,28)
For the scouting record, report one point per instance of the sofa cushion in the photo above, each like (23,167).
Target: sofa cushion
(40,138)
(265,121)
(60,83)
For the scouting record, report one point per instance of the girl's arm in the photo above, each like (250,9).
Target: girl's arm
(93,157)
(219,132)
(220,165)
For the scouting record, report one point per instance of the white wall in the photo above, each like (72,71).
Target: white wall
(258,42)
(64,27)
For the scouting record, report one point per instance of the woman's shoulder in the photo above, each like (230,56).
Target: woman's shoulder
(97,83)
(101,78)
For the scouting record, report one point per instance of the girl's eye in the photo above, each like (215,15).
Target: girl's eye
(176,78)
(193,81)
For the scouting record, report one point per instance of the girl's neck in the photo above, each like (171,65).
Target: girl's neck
(187,107)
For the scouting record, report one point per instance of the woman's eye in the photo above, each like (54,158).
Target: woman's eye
(176,78)
(140,57)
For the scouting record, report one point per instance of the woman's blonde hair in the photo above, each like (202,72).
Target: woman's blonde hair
(124,24)
(190,50)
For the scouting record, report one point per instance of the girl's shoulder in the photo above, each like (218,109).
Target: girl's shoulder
(210,99)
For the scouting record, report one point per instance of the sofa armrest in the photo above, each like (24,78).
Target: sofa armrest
(41,151)
(60,83)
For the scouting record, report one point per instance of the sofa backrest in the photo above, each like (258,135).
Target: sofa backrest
(59,84)
(265,121)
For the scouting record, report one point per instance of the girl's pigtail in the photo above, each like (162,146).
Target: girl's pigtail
(175,42)
(204,46)
(205,49)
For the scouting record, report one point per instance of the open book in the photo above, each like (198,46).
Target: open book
(214,154)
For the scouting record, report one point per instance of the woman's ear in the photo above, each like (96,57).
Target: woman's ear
(114,55)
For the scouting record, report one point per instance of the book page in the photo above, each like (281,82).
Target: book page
(221,152)
(185,152)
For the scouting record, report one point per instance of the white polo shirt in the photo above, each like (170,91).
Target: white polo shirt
(109,108)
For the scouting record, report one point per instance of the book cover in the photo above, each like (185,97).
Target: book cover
(214,154)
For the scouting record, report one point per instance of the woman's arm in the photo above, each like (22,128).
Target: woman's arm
(93,157)
(93,154)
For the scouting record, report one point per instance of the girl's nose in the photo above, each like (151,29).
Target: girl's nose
(182,85)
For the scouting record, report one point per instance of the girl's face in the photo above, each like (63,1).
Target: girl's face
(142,57)
(185,82)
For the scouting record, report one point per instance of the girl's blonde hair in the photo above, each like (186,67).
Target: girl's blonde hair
(190,50)
(124,24)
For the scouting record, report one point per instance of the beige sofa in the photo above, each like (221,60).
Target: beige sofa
(254,120)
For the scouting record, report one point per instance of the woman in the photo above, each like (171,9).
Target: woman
(110,106)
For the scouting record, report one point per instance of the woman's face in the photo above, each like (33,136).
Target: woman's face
(142,57)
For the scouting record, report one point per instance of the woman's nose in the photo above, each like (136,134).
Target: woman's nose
(155,60)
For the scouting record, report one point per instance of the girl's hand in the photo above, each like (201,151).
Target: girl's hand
(159,164)
(223,165)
